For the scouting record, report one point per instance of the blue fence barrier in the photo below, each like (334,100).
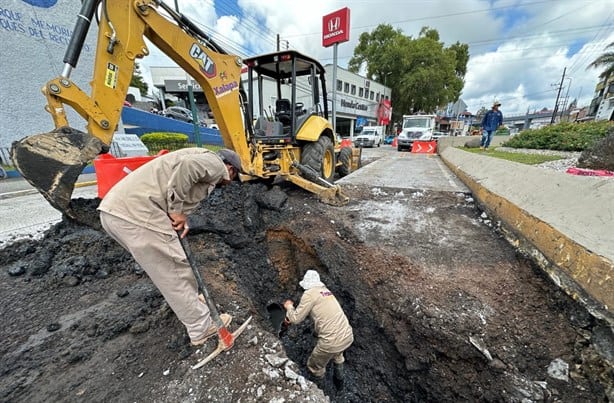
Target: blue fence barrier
(139,122)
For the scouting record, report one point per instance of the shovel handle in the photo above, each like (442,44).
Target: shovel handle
(199,281)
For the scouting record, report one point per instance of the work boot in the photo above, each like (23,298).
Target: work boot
(338,375)
(226,319)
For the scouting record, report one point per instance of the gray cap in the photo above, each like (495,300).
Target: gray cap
(230,157)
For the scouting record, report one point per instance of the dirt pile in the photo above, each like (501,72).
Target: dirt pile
(442,308)
(600,155)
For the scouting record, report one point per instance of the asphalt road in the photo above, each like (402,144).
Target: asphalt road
(25,213)
(29,214)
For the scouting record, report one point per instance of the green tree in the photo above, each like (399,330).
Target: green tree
(605,61)
(137,80)
(422,72)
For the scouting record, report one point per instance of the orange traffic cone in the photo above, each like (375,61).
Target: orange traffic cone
(394,141)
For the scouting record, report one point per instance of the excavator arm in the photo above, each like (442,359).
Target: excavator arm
(52,161)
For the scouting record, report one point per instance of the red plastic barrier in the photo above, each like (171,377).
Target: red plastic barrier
(589,172)
(346,143)
(425,147)
(110,170)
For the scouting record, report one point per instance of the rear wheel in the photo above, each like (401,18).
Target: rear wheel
(345,157)
(320,156)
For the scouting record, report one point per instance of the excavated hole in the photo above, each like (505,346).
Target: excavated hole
(374,367)
(412,314)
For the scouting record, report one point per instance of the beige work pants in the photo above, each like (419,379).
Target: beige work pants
(165,262)
(321,355)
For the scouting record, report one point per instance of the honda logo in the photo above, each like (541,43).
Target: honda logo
(334,24)
(336,27)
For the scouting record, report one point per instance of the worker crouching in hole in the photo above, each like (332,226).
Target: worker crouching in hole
(147,211)
(331,325)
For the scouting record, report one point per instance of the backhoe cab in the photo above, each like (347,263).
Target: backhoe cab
(293,137)
(294,141)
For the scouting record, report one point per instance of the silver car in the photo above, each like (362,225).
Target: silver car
(179,113)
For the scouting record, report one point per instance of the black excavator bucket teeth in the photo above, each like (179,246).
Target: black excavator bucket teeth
(53,161)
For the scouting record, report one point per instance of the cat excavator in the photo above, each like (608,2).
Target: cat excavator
(295,141)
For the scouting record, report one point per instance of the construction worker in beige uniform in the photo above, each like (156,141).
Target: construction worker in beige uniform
(331,325)
(145,210)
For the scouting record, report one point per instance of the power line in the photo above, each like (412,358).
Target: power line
(515,6)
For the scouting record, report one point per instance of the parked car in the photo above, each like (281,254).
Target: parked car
(179,113)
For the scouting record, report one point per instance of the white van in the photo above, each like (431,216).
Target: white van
(370,136)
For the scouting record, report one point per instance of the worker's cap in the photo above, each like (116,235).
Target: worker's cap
(230,157)
(310,280)
(496,103)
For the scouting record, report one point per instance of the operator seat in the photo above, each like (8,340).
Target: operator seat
(283,111)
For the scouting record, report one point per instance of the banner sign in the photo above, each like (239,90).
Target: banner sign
(385,112)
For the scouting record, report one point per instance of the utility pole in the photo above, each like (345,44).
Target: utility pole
(556,104)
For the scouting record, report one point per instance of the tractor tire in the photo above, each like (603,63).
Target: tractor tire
(345,157)
(320,156)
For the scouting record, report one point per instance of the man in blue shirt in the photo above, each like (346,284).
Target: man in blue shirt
(491,122)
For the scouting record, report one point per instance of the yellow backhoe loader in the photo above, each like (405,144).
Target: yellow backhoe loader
(295,141)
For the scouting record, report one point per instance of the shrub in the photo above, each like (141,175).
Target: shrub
(562,136)
(164,141)
(161,138)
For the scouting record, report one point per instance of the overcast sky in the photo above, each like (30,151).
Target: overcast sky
(518,48)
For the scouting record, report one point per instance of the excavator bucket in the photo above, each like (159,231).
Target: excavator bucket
(53,161)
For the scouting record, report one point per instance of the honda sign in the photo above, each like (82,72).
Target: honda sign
(336,27)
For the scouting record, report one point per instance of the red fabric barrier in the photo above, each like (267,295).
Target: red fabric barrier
(589,172)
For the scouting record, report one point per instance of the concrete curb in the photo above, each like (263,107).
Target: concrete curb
(562,221)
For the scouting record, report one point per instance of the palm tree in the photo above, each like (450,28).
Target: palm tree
(605,60)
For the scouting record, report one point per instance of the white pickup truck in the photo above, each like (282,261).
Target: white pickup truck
(370,136)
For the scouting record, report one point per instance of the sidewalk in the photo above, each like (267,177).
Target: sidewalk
(18,186)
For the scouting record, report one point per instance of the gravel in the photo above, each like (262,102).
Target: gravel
(570,158)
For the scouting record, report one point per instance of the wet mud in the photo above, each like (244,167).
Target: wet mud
(442,308)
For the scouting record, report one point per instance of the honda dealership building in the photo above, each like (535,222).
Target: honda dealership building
(359,101)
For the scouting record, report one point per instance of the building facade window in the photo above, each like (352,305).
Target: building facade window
(371,95)
(360,92)
(346,87)
(353,92)
(339,85)
(377,97)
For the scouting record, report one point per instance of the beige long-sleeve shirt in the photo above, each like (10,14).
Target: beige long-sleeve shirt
(172,183)
(331,324)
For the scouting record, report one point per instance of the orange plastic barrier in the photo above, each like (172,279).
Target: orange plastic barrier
(110,170)
(425,147)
